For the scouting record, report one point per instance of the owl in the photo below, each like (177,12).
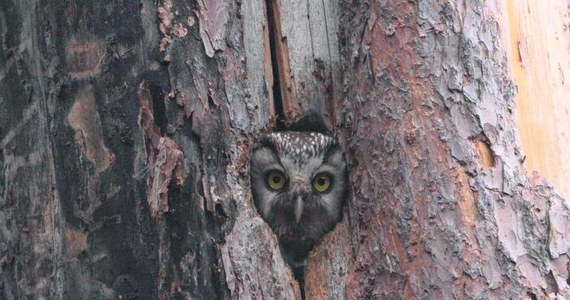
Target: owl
(299,183)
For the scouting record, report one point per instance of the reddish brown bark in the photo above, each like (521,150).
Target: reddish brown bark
(445,208)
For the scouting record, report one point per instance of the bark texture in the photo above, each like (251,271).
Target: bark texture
(444,206)
(124,134)
(125,131)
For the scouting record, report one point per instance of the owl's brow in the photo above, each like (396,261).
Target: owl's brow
(300,146)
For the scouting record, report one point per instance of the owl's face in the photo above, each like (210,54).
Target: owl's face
(299,183)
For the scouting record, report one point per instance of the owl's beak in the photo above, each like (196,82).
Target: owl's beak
(298,209)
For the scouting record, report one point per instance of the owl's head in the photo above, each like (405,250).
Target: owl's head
(299,182)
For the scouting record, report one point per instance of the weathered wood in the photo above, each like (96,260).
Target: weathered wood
(258,62)
(329,264)
(307,55)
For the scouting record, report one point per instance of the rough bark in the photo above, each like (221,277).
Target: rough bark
(125,130)
(445,208)
(124,133)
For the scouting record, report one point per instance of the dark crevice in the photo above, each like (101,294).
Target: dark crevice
(531,295)
(276,89)
(158,107)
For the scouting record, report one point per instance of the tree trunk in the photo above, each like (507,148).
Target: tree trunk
(445,208)
(125,131)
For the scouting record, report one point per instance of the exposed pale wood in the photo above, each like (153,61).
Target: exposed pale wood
(537,40)
(308,56)
(258,61)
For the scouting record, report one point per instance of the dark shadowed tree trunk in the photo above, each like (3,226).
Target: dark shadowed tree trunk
(125,131)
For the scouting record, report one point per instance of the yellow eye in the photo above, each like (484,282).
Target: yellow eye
(276,180)
(322,183)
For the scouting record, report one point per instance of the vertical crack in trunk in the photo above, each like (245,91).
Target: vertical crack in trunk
(276,56)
